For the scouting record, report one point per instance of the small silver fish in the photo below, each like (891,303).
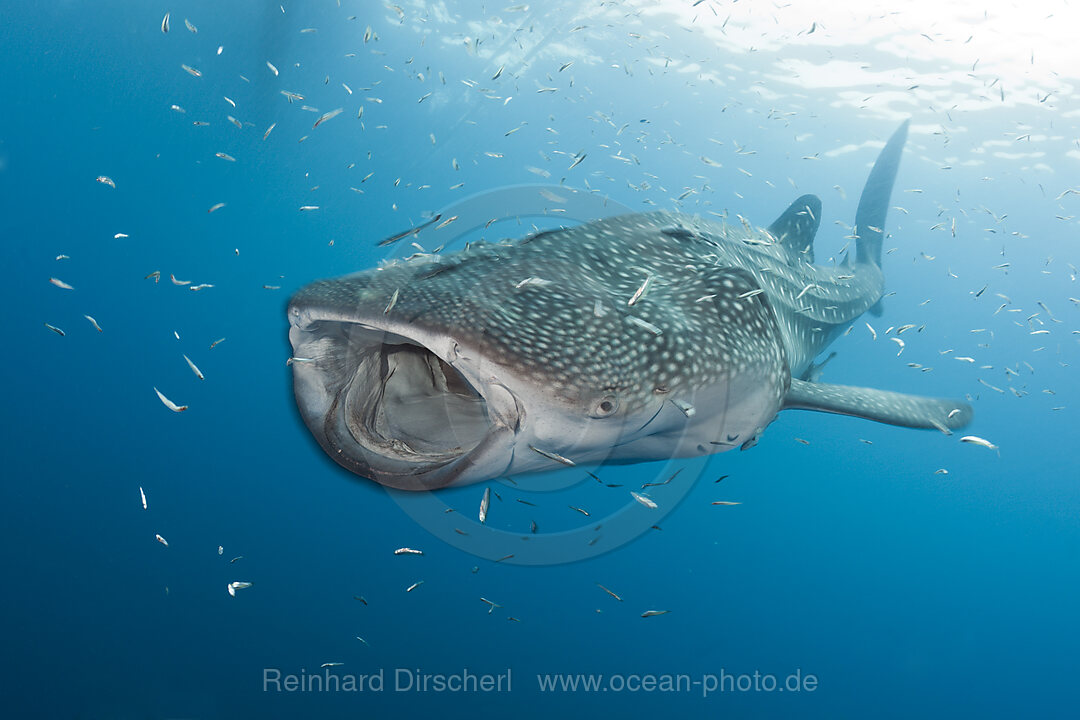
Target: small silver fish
(556,457)
(393,301)
(687,409)
(640,291)
(485,502)
(532,282)
(609,592)
(169,403)
(327,116)
(237,585)
(194,368)
(982,442)
(645,324)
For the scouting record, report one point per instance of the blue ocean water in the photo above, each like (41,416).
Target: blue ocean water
(852,559)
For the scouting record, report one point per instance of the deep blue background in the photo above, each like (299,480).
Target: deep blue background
(904,591)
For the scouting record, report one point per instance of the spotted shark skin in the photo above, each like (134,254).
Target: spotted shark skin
(637,337)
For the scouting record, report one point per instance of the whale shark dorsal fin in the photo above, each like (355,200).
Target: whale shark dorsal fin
(913,411)
(796,227)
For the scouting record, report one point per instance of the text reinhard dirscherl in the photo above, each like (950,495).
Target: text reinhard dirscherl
(415,680)
(402,680)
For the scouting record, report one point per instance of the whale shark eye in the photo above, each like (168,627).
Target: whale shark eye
(606,406)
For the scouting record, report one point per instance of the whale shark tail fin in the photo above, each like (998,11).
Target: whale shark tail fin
(874,202)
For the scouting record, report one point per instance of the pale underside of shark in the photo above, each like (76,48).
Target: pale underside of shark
(637,337)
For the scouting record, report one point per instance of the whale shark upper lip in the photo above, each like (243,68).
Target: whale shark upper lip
(399,404)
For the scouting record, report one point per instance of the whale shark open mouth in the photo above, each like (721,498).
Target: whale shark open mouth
(419,407)
(391,407)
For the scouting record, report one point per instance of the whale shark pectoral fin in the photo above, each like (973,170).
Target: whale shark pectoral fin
(796,227)
(883,406)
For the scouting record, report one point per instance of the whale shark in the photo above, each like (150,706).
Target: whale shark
(632,338)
